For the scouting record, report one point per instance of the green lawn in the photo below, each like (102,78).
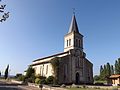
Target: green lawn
(89,89)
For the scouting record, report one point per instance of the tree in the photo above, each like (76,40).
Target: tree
(101,69)
(112,70)
(30,74)
(108,70)
(0,73)
(105,71)
(117,66)
(6,72)
(4,14)
(96,77)
(55,65)
(50,80)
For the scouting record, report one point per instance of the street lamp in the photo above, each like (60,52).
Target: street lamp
(40,86)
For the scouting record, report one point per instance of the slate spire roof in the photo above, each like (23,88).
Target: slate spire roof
(73,25)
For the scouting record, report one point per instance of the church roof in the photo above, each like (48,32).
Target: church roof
(55,55)
(115,76)
(73,25)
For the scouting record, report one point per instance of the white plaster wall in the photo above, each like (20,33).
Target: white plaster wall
(67,37)
(44,71)
(44,66)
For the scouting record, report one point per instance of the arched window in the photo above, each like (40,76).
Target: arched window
(65,71)
(41,70)
(77,62)
(76,42)
(79,43)
(69,42)
(46,69)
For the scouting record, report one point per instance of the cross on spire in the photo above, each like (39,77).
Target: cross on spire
(73,11)
(73,25)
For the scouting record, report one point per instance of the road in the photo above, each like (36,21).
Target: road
(4,85)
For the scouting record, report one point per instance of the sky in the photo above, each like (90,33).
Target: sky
(36,28)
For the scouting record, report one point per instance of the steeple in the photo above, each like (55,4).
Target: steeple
(73,39)
(73,25)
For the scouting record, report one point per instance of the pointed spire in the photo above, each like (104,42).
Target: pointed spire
(73,25)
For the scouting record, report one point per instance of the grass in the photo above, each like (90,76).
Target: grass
(91,89)
(100,81)
(84,89)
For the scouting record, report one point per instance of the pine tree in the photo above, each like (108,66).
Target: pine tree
(101,72)
(0,73)
(30,72)
(6,72)
(117,66)
(108,70)
(101,69)
(104,73)
(112,70)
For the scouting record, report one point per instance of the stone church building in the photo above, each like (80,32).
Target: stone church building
(74,66)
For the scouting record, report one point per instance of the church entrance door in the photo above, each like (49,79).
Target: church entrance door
(77,78)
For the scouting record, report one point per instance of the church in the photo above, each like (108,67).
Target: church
(74,67)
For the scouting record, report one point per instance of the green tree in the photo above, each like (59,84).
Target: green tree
(101,69)
(0,73)
(30,74)
(112,70)
(3,14)
(117,66)
(96,78)
(103,72)
(50,80)
(55,65)
(108,70)
(6,72)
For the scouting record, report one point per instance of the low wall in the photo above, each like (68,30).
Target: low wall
(18,82)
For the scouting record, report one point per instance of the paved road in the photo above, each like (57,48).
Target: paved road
(4,85)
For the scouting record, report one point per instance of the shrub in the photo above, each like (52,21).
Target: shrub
(30,75)
(21,78)
(40,79)
(50,80)
(31,79)
(37,80)
(43,81)
(30,72)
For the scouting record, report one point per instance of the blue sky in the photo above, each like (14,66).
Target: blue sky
(36,29)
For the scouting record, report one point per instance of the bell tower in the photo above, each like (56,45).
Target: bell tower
(73,39)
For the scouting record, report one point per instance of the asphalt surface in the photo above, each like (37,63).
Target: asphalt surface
(4,85)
